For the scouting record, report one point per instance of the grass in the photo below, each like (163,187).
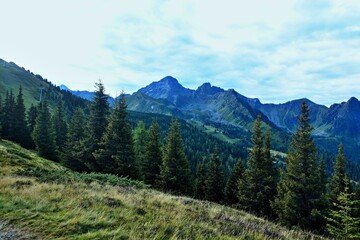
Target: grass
(52,202)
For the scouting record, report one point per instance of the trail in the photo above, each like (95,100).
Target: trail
(10,232)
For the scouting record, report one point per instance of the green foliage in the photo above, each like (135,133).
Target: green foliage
(200,182)
(339,179)
(232,185)
(342,224)
(31,117)
(257,188)
(43,133)
(20,130)
(150,166)
(116,153)
(140,139)
(74,149)
(214,180)
(60,127)
(298,201)
(175,171)
(97,125)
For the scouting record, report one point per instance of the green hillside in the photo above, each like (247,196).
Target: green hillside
(12,77)
(44,200)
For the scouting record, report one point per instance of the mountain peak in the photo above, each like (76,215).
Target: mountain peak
(206,89)
(64,87)
(170,80)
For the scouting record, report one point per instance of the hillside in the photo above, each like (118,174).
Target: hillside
(12,77)
(42,200)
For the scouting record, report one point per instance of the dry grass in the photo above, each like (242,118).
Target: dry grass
(78,210)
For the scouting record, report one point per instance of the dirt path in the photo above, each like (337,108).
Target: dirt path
(10,232)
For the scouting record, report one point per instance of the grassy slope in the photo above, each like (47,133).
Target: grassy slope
(85,206)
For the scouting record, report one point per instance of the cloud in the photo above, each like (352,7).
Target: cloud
(275,50)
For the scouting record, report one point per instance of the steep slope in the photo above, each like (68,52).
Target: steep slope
(285,115)
(343,120)
(223,109)
(51,202)
(13,76)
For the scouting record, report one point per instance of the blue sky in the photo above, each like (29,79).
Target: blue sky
(275,50)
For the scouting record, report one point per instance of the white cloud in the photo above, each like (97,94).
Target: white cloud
(275,50)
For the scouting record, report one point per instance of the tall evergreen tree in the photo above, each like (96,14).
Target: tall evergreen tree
(175,170)
(31,117)
(140,140)
(153,156)
(43,133)
(97,124)
(232,185)
(200,182)
(116,153)
(342,224)
(7,124)
(338,180)
(298,201)
(21,132)
(214,180)
(74,155)
(257,187)
(60,127)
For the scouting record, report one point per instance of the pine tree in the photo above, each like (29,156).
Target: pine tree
(153,157)
(175,171)
(140,140)
(200,182)
(60,127)
(342,224)
(116,153)
(257,188)
(97,125)
(43,133)
(74,157)
(270,177)
(7,124)
(298,201)
(214,180)
(231,189)
(21,132)
(338,181)
(31,117)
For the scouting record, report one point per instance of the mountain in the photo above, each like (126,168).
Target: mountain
(285,115)
(12,77)
(84,94)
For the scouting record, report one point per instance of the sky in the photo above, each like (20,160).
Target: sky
(274,50)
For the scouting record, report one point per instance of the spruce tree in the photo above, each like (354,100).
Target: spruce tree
(257,188)
(60,127)
(232,185)
(342,224)
(98,122)
(116,153)
(140,140)
(175,170)
(43,133)
(338,180)
(153,156)
(21,132)
(200,182)
(298,201)
(74,157)
(31,117)
(7,124)
(214,180)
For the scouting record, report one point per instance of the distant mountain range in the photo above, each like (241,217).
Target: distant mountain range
(228,109)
